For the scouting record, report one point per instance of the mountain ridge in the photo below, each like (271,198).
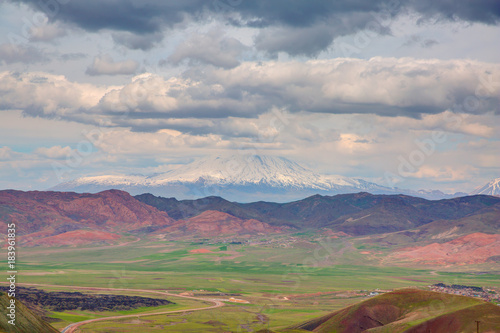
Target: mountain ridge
(54,218)
(343,212)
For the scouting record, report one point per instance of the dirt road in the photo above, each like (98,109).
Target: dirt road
(72,327)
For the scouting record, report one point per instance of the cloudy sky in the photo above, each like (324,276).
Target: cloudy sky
(400,92)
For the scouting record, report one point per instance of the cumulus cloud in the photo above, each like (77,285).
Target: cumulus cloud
(50,95)
(212,48)
(105,65)
(382,86)
(55,152)
(12,53)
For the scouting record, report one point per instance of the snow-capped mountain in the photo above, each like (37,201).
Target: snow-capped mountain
(242,178)
(490,188)
(246,170)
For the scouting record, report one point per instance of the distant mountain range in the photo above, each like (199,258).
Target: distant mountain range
(355,214)
(60,218)
(467,227)
(242,178)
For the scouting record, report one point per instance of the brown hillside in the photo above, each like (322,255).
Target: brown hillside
(470,249)
(213,223)
(44,214)
(463,320)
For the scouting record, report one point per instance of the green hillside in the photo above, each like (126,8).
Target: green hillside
(25,321)
(409,310)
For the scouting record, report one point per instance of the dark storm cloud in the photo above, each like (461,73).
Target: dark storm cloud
(310,40)
(150,16)
(296,27)
(485,11)
(297,41)
(212,48)
(127,15)
(300,13)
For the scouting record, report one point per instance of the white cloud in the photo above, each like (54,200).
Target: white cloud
(5,153)
(350,143)
(124,144)
(55,152)
(13,53)
(49,95)
(47,32)
(445,173)
(474,125)
(105,65)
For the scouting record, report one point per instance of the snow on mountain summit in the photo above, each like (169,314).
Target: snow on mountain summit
(244,170)
(490,188)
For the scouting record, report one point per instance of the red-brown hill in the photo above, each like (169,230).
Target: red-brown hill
(45,214)
(214,223)
(475,248)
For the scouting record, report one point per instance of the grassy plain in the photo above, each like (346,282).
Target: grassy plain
(281,280)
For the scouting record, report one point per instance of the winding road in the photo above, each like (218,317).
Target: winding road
(72,327)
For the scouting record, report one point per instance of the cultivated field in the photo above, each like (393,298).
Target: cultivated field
(285,280)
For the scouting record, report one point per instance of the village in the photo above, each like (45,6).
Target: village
(489,295)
